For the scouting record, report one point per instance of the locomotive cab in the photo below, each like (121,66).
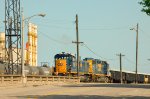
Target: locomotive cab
(64,63)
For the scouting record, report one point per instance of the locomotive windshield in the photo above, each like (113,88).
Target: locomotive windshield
(64,56)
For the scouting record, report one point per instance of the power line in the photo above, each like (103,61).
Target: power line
(56,26)
(146,34)
(57,20)
(96,53)
(129,60)
(92,50)
(115,28)
(132,62)
(69,21)
(55,40)
(71,28)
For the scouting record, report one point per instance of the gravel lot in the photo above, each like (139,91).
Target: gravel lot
(76,91)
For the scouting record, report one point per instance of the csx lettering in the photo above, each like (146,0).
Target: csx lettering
(60,64)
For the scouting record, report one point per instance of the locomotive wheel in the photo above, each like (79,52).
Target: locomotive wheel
(106,80)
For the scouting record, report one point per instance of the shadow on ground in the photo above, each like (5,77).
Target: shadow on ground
(111,85)
(80,97)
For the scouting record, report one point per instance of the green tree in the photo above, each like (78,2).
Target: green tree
(146,6)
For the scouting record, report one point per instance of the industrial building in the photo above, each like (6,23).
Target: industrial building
(2,49)
(31,45)
(2,46)
(30,53)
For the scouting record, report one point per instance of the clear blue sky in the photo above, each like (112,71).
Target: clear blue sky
(103,26)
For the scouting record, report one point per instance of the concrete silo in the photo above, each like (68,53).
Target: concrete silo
(2,46)
(32,45)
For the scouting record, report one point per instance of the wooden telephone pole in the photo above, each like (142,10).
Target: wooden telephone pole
(120,56)
(77,42)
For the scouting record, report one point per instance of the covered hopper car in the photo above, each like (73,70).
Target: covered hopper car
(129,77)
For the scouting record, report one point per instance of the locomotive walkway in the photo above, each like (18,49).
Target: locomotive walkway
(77,91)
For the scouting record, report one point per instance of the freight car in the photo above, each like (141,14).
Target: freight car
(89,69)
(129,77)
(29,70)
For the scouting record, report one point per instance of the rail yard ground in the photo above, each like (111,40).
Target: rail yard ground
(76,91)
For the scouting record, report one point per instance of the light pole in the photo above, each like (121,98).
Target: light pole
(22,49)
(136,29)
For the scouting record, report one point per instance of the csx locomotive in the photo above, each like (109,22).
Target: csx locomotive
(89,69)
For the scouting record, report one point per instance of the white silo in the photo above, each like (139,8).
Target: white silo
(2,46)
(30,30)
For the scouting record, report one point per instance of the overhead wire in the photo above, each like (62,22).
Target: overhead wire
(81,28)
(55,26)
(113,28)
(148,36)
(58,41)
(91,50)
(130,61)
(55,40)
(85,45)
(57,20)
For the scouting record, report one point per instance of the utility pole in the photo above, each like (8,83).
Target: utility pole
(136,78)
(120,56)
(136,29)
(77,42)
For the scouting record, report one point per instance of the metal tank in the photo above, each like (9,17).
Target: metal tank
(19,71)
(33,70)
(2,69)
(27,70)
(44,70)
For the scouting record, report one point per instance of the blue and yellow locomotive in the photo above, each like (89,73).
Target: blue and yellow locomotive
(89,69)
(64,64)
(98,70)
